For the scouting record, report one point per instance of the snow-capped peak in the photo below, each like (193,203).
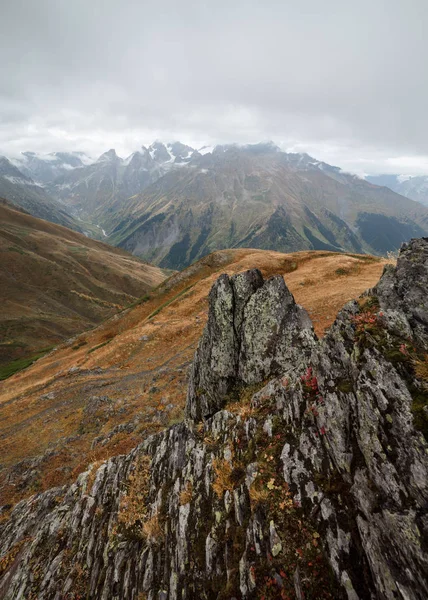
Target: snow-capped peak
(206,150)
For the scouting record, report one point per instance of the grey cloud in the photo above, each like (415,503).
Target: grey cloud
(344,79)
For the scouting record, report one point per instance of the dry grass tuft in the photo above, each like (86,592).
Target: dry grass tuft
(152,529)
(222,476)
(241,408)
(133,507)
(258,493)
(186,494)
(421,368)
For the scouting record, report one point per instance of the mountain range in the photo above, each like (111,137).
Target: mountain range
(22,191)
(172,204)
(415,188)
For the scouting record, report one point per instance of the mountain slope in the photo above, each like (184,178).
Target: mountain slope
(172,204)
(94,192)
(21,191)
(257,196)
(55,282)
(45,168)
(299,472)
(89,399)
(415,188)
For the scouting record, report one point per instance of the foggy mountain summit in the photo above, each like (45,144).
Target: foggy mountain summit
(172,204)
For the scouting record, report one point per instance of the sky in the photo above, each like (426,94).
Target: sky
(344,81)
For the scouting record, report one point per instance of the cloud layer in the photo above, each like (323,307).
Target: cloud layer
(344,81)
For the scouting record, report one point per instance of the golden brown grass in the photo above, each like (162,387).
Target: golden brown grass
(152,529)
(241,408)
(258,493)
(222,476)
(55,283)
(132,513)
(186,494)
(421,368)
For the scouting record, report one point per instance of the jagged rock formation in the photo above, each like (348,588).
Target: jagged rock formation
(254,330)
(237,502)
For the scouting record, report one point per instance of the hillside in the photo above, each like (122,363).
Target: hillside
(300,470)
(257,196)
(23,192)
(95,191)
(55,283)
(102,392)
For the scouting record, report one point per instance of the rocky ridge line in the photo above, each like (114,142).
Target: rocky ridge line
(290,445)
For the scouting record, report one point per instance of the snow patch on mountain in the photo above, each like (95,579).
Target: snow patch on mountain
(206,150)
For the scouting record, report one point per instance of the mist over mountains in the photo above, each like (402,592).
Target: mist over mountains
(172,204)
(415,188)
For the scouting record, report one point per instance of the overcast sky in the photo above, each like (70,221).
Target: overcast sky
(343,80)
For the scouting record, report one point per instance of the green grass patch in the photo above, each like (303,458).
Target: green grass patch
(139,301)
(17,249)
(78,249)
(420,411)
(98,346)
(79,344)
(165,304)
(366,257)
(21,363)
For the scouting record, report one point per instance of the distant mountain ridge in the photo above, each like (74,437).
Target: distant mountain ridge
(415,188)
(258,196)
(172,204)
(44,168)
(95,191)
(23,192)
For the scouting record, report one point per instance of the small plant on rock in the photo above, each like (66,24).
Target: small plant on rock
(186,494)
(222,476)
(133,506)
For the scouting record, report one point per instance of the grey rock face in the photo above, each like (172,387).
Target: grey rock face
(405,287)
(255,329)
(326,454)
(276,333)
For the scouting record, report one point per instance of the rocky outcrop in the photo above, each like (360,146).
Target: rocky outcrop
(255,330)
(300,471)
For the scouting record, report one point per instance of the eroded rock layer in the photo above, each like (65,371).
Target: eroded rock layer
(300,471)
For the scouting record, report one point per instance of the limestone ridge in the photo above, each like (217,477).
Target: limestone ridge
(332,448)
(255,330)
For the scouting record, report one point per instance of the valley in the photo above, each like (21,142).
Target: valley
(172,204)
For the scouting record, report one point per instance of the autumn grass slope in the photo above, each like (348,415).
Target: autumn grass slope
(100,393)
(55,282)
